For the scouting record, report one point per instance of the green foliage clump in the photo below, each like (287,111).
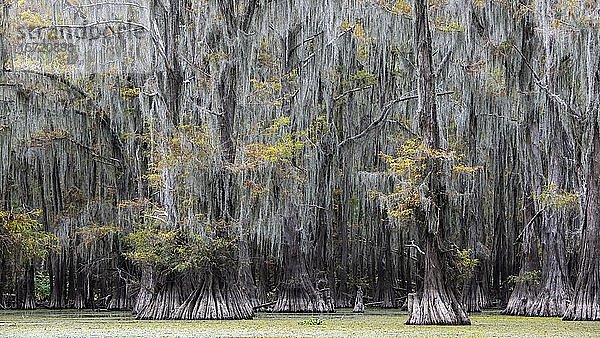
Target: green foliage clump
(363,78)
(128,92)
(409,161)
(266,89)
(460,168)
(173,250)
(410,164)
(32,19)
(554,198)
(497,83)
(42,286)
(184,152)
(312,321)
(447,26)
(533,277)
(396,7)
(504,47)
(23,236)
(265,57)
(271,91)
(278,123)
(283,148)
(465,265)
(401,7)
(92,233)
(318,128)
(153,246)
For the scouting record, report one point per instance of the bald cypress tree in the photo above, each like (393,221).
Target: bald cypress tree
(437,303)
(585,304)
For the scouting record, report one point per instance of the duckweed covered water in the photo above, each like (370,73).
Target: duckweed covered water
(374,323)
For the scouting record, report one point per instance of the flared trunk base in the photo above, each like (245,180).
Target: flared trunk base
(163,304)
(429,310)
(216,299)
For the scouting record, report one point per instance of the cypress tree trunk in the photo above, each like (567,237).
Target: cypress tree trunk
(473,298)
(556,291)
(146,291)
(343,297)
(4,47)
(500,269)
(245,277)
(28,287)
(296,290)
(385,282)
(525,292)
(437,304)
(3,280)
(119,287)
(264,274)
(119,299)
(81,300)
(58,295)
(165,302)
(586,302)
(4,6)
(474,293)
(71,286)
(359,306)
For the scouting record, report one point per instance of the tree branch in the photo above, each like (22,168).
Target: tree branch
(443,64)
(383,117)
(555,97)
(537,214)
(62,80)
(353,90)
(413,245)
(308,58)
(115,3)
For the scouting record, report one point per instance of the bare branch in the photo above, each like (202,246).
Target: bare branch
(309,39)
(312,206)
(265,305)
(537,214)
(353,90)
(413,245)
(384,117)
(555,97)
(72,87)
(115,3)
(329,43)
(97,23)
(443,64)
